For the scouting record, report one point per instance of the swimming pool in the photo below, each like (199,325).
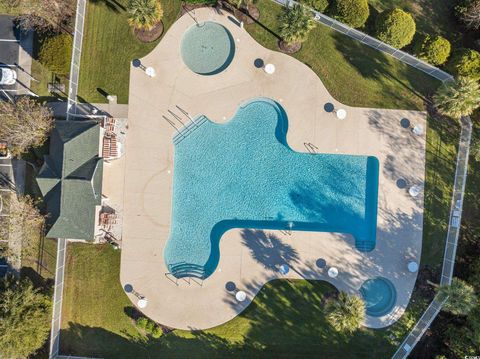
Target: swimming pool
(243,174)
(379,295)
(207,48)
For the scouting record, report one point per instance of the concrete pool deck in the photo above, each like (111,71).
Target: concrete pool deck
(250,258)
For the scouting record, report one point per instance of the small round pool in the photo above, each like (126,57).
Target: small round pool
(379,295)
(207,48)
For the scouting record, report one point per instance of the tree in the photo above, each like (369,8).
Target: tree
(465,62)
(475,150)
(458,98)
(395,27)
(295,24)
(144,14)
(43,16)
(24,318)
(354,13)
(461,297)
(23,224)
(25,123)
(56,53)
(347,313)
(469,13)
(434,50)
(319,5)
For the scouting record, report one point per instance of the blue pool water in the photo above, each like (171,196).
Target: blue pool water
(207,48)
(242,174)
(379,295)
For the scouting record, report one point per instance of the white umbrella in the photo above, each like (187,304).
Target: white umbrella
(412,266)
(142,303)
(414,191)
(241,295)
(418,130)
(150,71)
(332,272)
(341,114)
(270,69)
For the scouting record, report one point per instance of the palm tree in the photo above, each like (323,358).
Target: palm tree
(144,14)
(296,23)
(346,314)
(459,98)
(461,297)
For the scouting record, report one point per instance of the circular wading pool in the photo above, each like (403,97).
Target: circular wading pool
(379,295)
(207,48)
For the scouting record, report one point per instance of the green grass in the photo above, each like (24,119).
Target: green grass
(109,46)
(286,319)
(353,73)
(441,153)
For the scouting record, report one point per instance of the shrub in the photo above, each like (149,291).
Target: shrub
(150,327)
(56,53)
(458,98)
(465,62)
(352,12)
(395,27)
(319,5)
(157,332)
(434,50)
(142,322)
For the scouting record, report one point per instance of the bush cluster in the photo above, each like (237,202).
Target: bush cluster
(433,49)
(395,27)
(150,327)
(56,53)
(351,12)
(465,62)
(319,5)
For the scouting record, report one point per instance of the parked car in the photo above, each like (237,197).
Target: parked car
(8,76)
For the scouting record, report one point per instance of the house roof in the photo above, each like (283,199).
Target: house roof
(71,179)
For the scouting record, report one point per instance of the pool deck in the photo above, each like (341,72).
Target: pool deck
(249,258)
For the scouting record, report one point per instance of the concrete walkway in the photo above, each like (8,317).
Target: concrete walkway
(147,183)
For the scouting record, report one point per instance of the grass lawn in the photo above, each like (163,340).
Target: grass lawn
(353,73)
(109,46)
(285,319)
(442,143)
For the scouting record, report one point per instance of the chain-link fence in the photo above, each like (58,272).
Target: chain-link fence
(57,298)
(375,43)
(451,245)
(76,57)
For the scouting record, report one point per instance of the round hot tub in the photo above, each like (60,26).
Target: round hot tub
(207,48)
(379,295)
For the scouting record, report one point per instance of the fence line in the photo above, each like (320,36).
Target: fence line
(375,43)
(451,245)
(76,58)
(57,298)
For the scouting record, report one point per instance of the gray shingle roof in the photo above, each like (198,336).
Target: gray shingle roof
(71,179)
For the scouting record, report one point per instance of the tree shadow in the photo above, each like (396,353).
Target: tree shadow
(268,249)
(113,5)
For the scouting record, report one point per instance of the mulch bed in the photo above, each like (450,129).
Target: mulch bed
(149,35)
(289,48)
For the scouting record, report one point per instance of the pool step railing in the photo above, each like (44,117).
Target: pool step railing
(189,128)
